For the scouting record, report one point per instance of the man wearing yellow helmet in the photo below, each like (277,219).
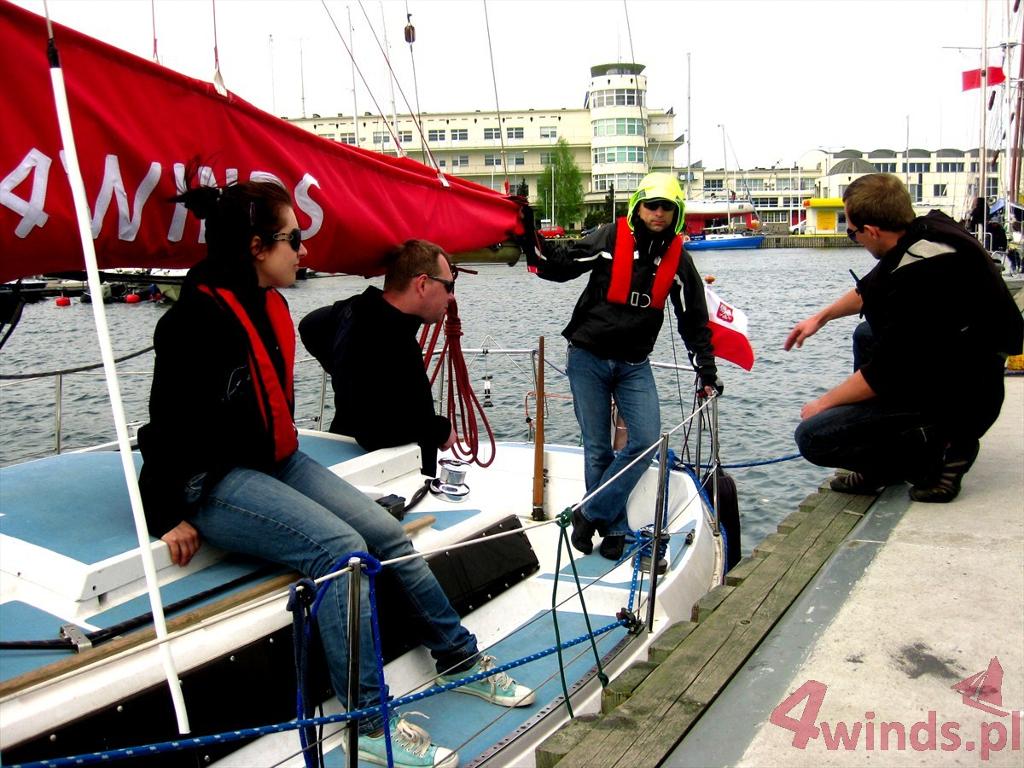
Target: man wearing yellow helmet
(635,264)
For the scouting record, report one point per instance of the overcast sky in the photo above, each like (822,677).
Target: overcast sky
(782,76)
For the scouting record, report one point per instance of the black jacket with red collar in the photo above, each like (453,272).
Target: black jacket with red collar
(615,331)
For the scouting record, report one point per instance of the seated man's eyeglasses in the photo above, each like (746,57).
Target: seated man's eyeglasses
(852,233)
(449,285)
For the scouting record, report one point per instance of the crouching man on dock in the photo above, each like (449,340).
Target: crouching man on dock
(928,358)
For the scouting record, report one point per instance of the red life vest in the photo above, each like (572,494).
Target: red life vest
(276,399)
(622,271)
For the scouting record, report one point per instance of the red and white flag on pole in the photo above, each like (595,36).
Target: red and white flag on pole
(993,76)
(728,331)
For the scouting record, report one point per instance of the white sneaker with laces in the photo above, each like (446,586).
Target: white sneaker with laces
(500,688)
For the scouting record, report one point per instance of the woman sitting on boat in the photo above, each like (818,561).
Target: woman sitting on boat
(222,462)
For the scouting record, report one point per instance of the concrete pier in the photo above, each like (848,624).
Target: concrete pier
(866,632)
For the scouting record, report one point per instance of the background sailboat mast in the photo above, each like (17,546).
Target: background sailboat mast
(983,150)
(689,135)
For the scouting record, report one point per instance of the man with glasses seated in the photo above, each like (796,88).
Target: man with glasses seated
(928,358)
(635,264)
(368,344)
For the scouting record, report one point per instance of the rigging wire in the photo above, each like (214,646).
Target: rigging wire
(410,38)
(218,79)
(401,91)
(497,108)
(152,13)
(636,81)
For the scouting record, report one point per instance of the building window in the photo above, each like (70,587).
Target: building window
(764,202)
(492,133)
(347,138)
(549,131)
(619,126)
(381,137)
(624,182)
(441,163)
(547,158)
(460,134)
(775,217)
(405,137)
(885,167)
(938,190)
(917,168)
(616,97)
(517,158)
(950,167)
(490,160)
(991,187)
(713,184)
(460,161)
(513,133)
(915,193)
(750,185)
(435,134)
(619,155)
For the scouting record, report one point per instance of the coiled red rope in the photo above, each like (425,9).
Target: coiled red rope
(463,409)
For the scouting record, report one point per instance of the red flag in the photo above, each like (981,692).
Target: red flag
(136,126)
(728,331)
(972,77)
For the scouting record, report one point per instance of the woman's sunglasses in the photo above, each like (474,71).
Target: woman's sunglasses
(294,238)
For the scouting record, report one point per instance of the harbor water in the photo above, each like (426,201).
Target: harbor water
(501,308)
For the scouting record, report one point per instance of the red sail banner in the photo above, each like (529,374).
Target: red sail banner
(137,125)
(993,76)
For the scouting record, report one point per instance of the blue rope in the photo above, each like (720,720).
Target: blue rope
(300,597)
(756,463)
(92,758)
(373,567)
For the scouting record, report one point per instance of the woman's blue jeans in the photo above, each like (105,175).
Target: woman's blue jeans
(305,517)
(594,383)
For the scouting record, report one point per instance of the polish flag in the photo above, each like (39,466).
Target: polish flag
(993,76)
(728,331)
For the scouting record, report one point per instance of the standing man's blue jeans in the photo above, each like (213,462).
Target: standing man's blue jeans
(306,517)
(594,383)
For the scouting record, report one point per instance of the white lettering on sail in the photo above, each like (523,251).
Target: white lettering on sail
(266,177)
(113,185)
(309,206)
(31,210)
(177,230)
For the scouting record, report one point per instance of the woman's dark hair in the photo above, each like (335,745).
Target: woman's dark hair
(234,214)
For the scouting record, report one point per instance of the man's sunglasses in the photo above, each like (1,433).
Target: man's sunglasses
(449,285)
(654,205)
(294,238)
(852,233)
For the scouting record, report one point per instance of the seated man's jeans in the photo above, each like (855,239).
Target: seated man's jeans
(305,517)
(594,382)
(886,441)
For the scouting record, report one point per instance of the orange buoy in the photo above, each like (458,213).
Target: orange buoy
(132,298)
(709,279)
(62,301)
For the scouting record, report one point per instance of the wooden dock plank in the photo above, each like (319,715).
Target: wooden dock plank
(647,726)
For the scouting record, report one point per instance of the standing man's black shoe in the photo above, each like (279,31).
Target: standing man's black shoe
(582,533)
(612,547)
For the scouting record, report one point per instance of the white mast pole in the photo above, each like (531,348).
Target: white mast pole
(983,152)
(109,369)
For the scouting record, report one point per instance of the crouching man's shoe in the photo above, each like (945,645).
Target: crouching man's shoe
(958,459)
(857,482)
(500,688)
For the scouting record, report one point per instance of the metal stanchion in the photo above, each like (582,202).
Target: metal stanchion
(323,400)
(714,463)
(352,701)
(59,395)
(659,523)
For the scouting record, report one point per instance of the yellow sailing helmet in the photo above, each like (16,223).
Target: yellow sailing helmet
(662,186)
